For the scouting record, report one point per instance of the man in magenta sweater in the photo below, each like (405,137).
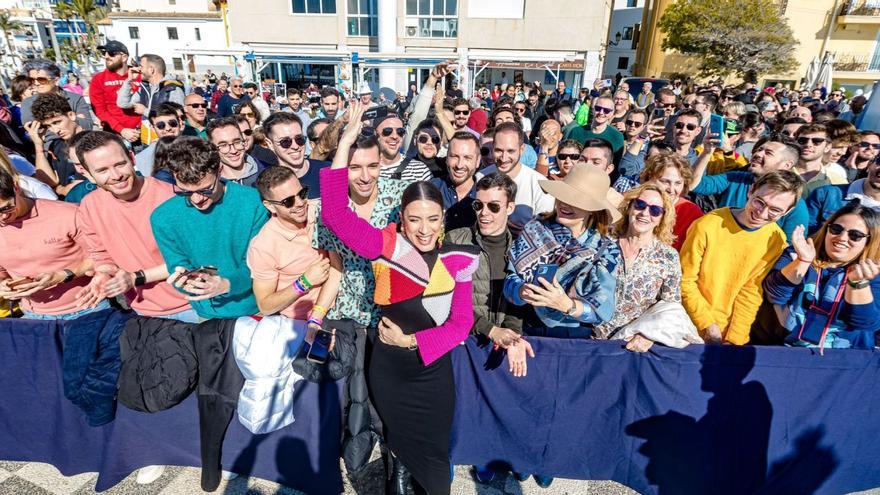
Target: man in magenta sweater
(116,222)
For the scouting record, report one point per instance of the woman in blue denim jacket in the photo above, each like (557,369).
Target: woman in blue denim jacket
(573,239)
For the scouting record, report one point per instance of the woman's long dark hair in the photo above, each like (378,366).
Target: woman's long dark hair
(420,191)
(872,245)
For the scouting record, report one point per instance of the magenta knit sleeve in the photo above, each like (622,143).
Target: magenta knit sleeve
(437,341)
(352,230)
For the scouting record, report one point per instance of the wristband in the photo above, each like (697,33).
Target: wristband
(320,309)
(297,286)
(140,278)
(413,343)
(304,281)
(314,320)
(68,275)
(861,284)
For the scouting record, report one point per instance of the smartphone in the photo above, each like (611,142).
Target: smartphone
(375,113)
(320,348)
(545,271)
(207,270)
(17,283)
(606,83)
(716,125)
(659,113)
(314,100)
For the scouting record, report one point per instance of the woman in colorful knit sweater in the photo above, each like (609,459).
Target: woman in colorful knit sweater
(826,290)
(423,288)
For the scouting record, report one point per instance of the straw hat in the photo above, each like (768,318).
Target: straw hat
(585,187)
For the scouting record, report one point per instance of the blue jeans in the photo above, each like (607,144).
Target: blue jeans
(188,316)
(68,316)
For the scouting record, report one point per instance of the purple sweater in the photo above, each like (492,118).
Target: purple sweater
(372,243)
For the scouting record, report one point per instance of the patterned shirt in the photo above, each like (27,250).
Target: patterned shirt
(355,299)
(653,276)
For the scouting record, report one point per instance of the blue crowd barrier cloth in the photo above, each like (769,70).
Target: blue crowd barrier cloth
(38,424)
(705,419)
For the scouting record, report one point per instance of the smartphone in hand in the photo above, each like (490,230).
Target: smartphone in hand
(319,351)
(545,271)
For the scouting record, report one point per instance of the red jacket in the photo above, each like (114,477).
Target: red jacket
(215,99)
(102,93)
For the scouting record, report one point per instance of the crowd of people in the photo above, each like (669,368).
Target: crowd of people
(709,213)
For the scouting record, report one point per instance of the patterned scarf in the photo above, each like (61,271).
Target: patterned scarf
(551,243)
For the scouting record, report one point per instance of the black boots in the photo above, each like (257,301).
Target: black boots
(397,478)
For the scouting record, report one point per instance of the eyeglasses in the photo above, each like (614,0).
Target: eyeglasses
(762,205)
(853,234)
(667,105)
(836,95)
(41,80)
(287,142)
(461,112)
(227,147)
(803,141)
(424,138)
(236,85)
(289,201)
(198,105)
(8,208)
(568,156)
(173,124)
(206,192)
(600,109)
(633,123)
(654,210)
(485,150)
(865,144)
(391,130)
(521,110)
(682,125)
(478,205)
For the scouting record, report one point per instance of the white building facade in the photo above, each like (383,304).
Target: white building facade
(626,19)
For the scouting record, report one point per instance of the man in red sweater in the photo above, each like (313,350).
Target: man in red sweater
(103,89)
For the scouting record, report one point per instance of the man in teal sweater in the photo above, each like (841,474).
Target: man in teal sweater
(209,223)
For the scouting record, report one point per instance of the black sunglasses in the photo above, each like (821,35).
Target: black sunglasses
(478,205)
(605,110)
(248,132)
(206,192)
(41,80)
(682,125)
(424,138)
(654,210)
(162,124)
(865,144)
(289,201)
(633,123)
(667,105)
(461,112)
(853,234)
(112,54)
(568,156)
(391,130)
(287,142)
(803,141)
(198,105)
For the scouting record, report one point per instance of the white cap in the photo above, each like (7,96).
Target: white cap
(364,88)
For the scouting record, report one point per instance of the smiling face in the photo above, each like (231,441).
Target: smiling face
(461,160)
(425,143)
(603,108)
(422,223)
(570,216)
(642,222)
(363,173)
(247,134)
(504,116)
(390,145)
(811,151)
(687,127)
(507,150)
(461,113)
(112,169)
(231,146)
(868,147)
(671,182)
(294,156)
(195,108)
(297,214)
(166,125)
(198,200)
(114,61)
(489,223)
(765,206)
(236,88)
(841,248)
(768,158)
(330,105)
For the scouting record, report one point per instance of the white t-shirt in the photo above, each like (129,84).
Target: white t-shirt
(531,200)
(34,188)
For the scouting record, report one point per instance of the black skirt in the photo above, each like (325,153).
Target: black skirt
(415,403)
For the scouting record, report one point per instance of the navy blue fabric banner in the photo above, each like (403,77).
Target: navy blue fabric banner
(706,419)
(38,424)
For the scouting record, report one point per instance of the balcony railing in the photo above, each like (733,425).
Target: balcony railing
(861,7)
(851,62)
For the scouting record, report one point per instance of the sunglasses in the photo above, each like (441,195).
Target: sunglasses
(41,80)
(289,201)
(485,150)
(461,112)
(8,208)
(803,141)
(391,130)
(682,125)
(206,192)
(424,138)
(633,123)
(667,105)
(236,85)
(112,54)
(478,205)
(604,110)
(162,124)
(654,210)
(568,156)
(198,105)
(248,132)
(865,144)
(287,142)
(853,234)
(247,114)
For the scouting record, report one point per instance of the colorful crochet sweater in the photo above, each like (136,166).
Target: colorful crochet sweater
(401,272)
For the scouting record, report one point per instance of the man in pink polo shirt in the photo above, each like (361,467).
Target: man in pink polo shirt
(42,258)
(115,220)
(281,254)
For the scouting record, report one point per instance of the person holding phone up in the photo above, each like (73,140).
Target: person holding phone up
(423,287)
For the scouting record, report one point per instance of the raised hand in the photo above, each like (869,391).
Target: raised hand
(805,249)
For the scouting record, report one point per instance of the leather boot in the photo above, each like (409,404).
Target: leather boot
(397,478)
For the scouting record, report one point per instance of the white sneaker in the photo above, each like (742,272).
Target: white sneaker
(228,475)
(149,474)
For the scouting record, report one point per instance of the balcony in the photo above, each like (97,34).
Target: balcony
(860,12)
(856,66)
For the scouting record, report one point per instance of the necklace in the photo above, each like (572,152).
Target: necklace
(629,249)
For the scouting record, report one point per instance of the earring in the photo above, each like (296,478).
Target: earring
(441,236)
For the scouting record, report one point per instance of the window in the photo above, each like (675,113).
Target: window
(198,34)
(632,3)
(435,18)
(172,2)
(178,63)
(627,33)
(134,33)
(623,63)
(172,33)
(314,6)
(362,20)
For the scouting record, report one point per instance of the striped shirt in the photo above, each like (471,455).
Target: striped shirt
(413,172)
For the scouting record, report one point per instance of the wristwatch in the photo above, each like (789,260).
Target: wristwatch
(861,284)
(573,309)
(140,278)
(68,275)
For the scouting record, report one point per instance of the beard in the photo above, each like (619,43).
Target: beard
(115,66)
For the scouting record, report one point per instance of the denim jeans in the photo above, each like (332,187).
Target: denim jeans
(68,316)
(188,316)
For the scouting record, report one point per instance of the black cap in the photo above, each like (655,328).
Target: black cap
(113,46)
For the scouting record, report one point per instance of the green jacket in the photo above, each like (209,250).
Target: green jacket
(506,315)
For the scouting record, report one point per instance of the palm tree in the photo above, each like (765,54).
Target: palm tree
(90,13)
(9,26)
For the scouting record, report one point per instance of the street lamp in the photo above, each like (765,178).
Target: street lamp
(616,41)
